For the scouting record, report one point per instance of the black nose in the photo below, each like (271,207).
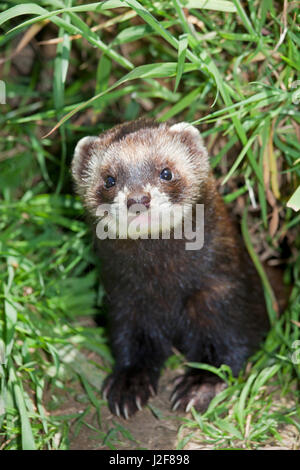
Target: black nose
(143,199)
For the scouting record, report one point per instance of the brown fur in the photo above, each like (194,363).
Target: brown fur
(207,303)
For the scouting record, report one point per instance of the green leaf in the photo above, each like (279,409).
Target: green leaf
(240,407)
(263,377)
(294,201)
(34,9)
(102,79)
(79,27)
(240,158)
(244,18)
(10,321)
(160,70)
(181,104)
(218,5)
(61,64)
(182,47)
(133,33)
(27,439)
(228,428)
(269,294)
(81,365)
(23,9)
(161,31)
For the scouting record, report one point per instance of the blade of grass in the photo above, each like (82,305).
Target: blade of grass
(159,70)
(182,46)
(218,5)
(294,201)
(256,168)
(184,24)
(34,9)
(181,104)
(264,136)
(26,430)
(79,28)
(10,322)
(269,294)
(61,65)
(240,407)
(244,17)
(161,31)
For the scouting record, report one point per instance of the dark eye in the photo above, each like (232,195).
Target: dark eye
(109,182)
(166,174)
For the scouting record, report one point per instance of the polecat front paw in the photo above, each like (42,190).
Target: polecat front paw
(195,389)
(128,391)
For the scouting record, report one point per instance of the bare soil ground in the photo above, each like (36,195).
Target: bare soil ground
(153,428)
(156,427)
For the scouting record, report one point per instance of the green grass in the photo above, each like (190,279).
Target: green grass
(233,71)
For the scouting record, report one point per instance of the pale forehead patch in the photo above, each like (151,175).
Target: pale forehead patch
(163,144)
(160,145)
(125,151)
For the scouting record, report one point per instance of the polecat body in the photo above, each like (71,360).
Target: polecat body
(208,303)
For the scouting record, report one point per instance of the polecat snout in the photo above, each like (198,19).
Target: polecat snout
(208,303)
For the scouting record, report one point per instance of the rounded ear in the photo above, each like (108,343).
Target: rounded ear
(85,155)
(191,137)
(184,126)
(187,129)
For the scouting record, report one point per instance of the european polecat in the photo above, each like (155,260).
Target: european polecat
(206,302)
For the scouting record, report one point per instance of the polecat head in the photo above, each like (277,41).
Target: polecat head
(141,162)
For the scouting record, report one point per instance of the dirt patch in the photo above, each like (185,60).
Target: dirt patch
(156,427)
(153,428)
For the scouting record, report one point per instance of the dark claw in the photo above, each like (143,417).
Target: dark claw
(127,391)
(195,390)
